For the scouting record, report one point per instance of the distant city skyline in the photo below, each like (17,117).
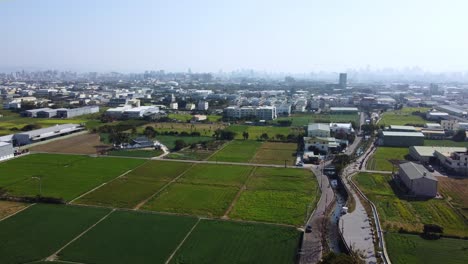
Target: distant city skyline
(298,36)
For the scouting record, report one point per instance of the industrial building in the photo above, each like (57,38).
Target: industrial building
(452,110)
(401,139)
(454,161)
(202,106)
(321,144)
(402,128)
(345,127)
(33,112)
(69,113)
(427,153)
(49,113)
(6,151)
(29,137)
(318,130)
(418,179)
(132,113)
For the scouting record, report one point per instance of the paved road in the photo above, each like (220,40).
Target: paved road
(312,242)
(355,226)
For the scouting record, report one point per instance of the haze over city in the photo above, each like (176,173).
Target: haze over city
(208,35)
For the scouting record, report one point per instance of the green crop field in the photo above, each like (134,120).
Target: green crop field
(204,200)
(223,175)
(169,141)
(237,151)
(206,130)
(404,248)
(128,191)
(256,131)
(403,117)
(276,153)
(40,230)
(380,159)
(130,237)
(231,242)
(190,154)
(397,212)
(445,143)
(277,195)
(63,176)
(301,120)
(135,153)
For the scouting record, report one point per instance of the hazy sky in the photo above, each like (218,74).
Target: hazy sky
(209,35)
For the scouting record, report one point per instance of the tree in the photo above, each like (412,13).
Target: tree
(245,135)
(460,135)
(179,144)
(149,132)
(280,137)
(30,127)
(432,231)
(224,134)
(333,258)
(264,136)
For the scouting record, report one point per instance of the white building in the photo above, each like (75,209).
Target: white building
(345,127)
(117,112)
(318,130)
(33,136)
(189,106)
(6,151)
(261,112)
(322,144)
(283,109)
(456,161)
(139,112)
(418,179)
(174,105)
(449,125)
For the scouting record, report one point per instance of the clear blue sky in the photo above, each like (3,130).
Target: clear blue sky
(209,35)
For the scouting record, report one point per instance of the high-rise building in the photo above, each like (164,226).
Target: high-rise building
(343,80)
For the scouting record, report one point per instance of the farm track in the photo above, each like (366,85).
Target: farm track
(236,198)
(139,205)
(183,241)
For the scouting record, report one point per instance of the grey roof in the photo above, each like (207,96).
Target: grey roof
(51,129)
(428,151)
(319,126)
(416,171)
(409,128)
(344,109)
(6,149)
(402,134)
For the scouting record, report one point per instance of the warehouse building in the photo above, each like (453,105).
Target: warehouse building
(33,136)
(427,153)
(401,139)
(69,113)
(33,112)
(418,179)
(403,128)
(6,151)
(47,113)
(318,130)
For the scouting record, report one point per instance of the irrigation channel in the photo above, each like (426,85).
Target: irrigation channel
(335,241)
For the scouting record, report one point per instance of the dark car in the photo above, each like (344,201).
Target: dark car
(308,229)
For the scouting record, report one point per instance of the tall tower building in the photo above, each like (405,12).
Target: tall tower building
(343,80)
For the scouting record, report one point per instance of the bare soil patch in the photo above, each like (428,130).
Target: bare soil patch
(81,144)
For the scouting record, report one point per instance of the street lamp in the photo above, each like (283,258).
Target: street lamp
(40,183)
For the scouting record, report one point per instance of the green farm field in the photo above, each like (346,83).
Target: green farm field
(188,117)
(206,130)
(237,151)
(193,199)
(405,248)
(40,230)
(256,131)
(135,153)
(169,141)
(232,242)
(445,143)
(396,212)
(300,120)
(128,191)
(63,176)
(403,117)
(277,195)
(222,175)
(276,153)
(130,237)
(380,159)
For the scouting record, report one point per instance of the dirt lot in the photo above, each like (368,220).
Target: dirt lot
(7,208)
(82,144)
